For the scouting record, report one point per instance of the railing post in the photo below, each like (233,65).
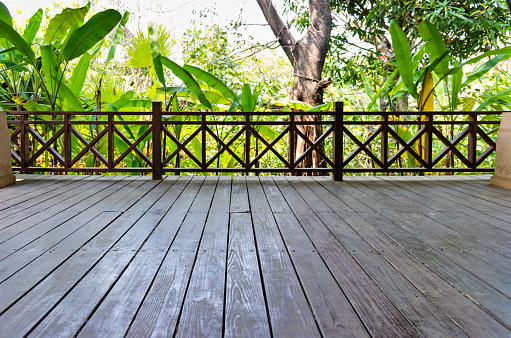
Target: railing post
(247,143)
(472,140)
(157,153)
(428,140)
(291,139)
(24,144)
(203,152)
(67,144)
(384,139)
(111,152)
(338,140)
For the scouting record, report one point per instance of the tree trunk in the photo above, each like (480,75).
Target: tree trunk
(509,5)
(308,58)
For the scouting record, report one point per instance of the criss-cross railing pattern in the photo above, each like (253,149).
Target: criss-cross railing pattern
(421,138)
(191,142)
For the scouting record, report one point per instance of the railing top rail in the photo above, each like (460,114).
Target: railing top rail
(196,113)
(272,113)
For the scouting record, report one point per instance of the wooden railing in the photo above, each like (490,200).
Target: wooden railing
(190,142)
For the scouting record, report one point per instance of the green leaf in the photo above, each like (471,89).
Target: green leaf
(79,74)
(173,90)
(404,58)
(505,50)
(123,100)
(5,15)
(33,26)
(187,79)
(494,99)
(119,33)
(30,105)
(211,81)
(484,68)
(70,98)
(417,58)
(10,34)
(266,131)
(457,81)
(322,107)
(382,89)
(61,23)
(367,86)
(246,98)
(49,63)
(145,104)
(92,32)
(435,46)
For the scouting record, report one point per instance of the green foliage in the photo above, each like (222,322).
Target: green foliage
(92,32)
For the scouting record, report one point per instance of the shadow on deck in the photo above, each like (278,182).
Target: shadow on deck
(109,256)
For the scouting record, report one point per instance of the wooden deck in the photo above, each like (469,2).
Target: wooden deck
(113,256)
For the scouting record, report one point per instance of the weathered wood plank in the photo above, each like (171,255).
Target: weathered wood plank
(29,275)
(245,308)
(463,280)
(22,316)
(289,310)
(372,305)
(115,313)
(158,315)
(61,191)
(203,306)
(71,313)
(239,197)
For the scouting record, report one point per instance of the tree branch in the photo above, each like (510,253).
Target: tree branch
(279,28)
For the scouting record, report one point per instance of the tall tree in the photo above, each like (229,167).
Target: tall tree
(469,27)
(307,56)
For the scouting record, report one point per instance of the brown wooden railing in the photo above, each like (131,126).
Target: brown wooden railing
(56,142)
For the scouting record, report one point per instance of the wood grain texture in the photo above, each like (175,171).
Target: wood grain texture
(22,317)
(103,256)
(245,308)
(288,307)
(159,312)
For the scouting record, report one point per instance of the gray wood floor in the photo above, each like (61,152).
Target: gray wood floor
(113,256)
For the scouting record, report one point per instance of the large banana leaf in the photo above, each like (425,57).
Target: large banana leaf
(92,32)
(30,105)
(61,23)
(187,79)
(404,58)
(119,33)
(69,97)
(504,50)
(7,32)
(49,62)
(435,46)
(322,107)
(484,68)
(5,16)
(457,82)
(33,26)
(212,81)
(79,74)
(494,98)
(246,99)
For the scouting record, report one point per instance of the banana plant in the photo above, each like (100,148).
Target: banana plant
(66,38)
(448,77)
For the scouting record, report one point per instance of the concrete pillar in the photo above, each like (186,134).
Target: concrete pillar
(6,176)
(502,177)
